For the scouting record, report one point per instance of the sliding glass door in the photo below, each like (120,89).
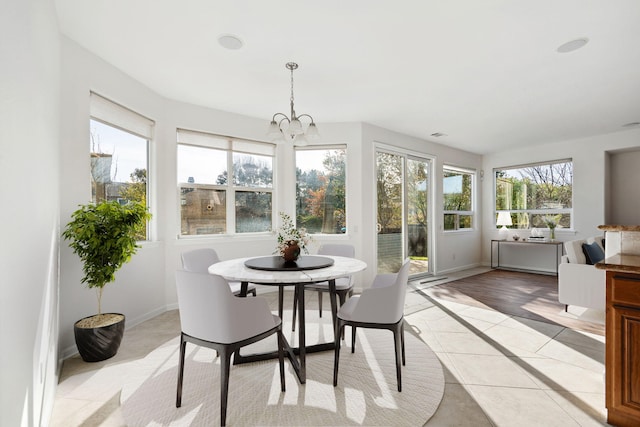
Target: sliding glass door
(403,206)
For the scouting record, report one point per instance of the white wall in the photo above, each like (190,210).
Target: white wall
(589,180)
(29,165)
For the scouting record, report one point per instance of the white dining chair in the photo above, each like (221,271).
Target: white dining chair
(379,307)
(199,260)
(210,316)
(344,285)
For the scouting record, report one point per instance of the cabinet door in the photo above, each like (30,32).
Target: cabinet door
(623,363)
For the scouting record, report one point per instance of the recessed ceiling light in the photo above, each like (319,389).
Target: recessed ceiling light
(572,45)
(230,41)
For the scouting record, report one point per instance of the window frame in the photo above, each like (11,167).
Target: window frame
(537,211)
(200,139)
(124,119)
(327,147)
(472,213)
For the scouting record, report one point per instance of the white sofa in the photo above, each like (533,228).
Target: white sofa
(579,283)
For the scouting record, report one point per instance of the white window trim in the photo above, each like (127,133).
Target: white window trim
(472,212)
(227,144)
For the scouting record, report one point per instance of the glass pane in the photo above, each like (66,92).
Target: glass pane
(251,170)
(417,184)
(389,171)
(253,211)
(545,186)
(202,210)
(118,167)
(321,191)
(457,191)
(200,165)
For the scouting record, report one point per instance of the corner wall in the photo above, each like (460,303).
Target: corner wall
(29,173)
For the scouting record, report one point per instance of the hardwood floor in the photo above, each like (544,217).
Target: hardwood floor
(528,295)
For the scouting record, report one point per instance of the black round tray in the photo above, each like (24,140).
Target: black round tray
(277,263)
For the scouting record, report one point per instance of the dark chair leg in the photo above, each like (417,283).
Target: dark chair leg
(295,307)
(404,361)
(281,359)
(398,347)
(566,308)
(320,303)
(336,359)
(183,345)
(225,364)
(353,339)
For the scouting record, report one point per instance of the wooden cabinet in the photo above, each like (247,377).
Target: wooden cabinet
(623,348)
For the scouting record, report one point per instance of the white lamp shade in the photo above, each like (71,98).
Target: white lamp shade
(312,133)
(273,132)
(295,127)
(300,140)
(504,219)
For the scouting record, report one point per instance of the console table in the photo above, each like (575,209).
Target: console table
(558,246)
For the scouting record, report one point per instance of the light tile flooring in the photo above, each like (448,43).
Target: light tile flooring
(500,370)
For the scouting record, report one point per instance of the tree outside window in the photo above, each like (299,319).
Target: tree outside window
(118,167)
(458,199)
(321,190)
(532,192)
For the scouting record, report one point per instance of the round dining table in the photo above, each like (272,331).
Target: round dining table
(273,271)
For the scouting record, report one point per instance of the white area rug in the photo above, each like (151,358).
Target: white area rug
(366,392)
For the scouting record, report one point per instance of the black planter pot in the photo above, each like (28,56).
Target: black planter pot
(97,344)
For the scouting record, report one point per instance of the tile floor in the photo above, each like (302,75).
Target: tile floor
(500,370)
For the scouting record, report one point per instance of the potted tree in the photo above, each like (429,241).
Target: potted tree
(103,235)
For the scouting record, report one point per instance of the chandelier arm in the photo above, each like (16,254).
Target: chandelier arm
(305,115)
(273,119)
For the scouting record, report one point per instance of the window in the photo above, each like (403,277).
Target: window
(457,186)
(321,190)
(225,184)
(533,193)
(119,144)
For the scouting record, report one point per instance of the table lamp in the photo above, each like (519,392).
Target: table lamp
(504,219)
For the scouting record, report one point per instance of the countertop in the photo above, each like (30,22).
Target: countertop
(621,263)
(619,227)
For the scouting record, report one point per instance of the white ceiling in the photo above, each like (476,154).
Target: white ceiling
(486,73)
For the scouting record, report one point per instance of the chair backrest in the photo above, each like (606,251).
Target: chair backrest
(209,311)
(384,304)
(199,260)
(344,250)
(337,250)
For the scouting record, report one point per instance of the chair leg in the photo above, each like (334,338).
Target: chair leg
(281,359)
(320,303)
(353,339)
(225,364)
(295,307)
(404,361)
(336,359)
(183,345)
(253,292)
(398,347)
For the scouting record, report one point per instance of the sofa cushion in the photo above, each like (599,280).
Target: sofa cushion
(574,251)
(593,252)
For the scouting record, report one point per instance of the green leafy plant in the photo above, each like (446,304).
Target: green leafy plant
(103,235)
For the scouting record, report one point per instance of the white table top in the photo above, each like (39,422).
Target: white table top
(236,270)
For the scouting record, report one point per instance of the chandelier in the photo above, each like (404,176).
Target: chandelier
(283,127)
